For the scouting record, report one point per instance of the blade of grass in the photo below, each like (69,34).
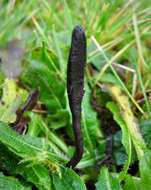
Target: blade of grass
(141,62)
(58,50)
(67,14)
(54,138)
(40,31)
(109,64)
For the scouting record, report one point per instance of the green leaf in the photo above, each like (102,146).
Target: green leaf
(10,183)
(119,150)
(12,98)
(126,140)
(27,147)
(67,180)
(8,160)
(34,126)
(129,119)
(109,78)
(97,59)
(145,127)
(36,174)
(35,154)
(90,124)
(59,120)
(131,183)
(145,171)
(54,139)
(107,182)
(43,72)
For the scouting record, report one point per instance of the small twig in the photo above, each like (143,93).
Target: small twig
(30,103)
(39,111)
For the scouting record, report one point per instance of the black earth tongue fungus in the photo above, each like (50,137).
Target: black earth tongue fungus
(22,120)
(75,88)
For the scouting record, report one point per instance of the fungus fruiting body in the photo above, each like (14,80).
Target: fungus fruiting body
(75,88)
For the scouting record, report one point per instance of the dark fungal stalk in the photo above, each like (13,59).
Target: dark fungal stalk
(75,88)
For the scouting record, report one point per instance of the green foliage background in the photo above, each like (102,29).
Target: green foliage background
(35,38)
